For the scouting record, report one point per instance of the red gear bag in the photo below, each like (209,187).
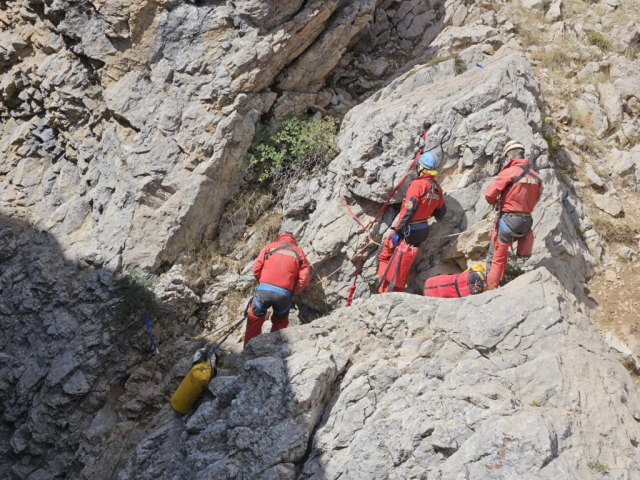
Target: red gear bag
(448,286)
(394,273)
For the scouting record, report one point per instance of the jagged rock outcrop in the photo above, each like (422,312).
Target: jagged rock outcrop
(123,131)
(121,120)
(400,386)
(471,115)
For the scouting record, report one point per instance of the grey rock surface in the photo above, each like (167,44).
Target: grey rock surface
(471,116)
(123,132)
(126,136)
(401,386)
(610,204)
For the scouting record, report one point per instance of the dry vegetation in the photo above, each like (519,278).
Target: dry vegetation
(617,231)
(260,225)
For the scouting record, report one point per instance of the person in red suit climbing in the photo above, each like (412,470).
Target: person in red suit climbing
(515,193)
(282,270)
(424,199)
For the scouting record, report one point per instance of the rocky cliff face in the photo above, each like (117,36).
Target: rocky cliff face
(400,386)
(124,131)
(471,116)
(126,125)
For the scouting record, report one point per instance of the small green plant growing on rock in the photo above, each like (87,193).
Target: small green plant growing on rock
(602,468)
(300,145)
(459,66)
(511,272)
(599,40)
(553,142)
(135,296)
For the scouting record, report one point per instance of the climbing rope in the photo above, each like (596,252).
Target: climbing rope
(367,229)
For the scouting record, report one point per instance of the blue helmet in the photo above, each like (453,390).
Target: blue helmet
(429,161)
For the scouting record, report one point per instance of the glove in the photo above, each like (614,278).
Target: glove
(421,142)
(394,239)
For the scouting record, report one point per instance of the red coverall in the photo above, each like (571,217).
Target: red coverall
(423,200)
(282,271)
(520,188)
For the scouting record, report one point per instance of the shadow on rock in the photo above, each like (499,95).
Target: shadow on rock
(72,386)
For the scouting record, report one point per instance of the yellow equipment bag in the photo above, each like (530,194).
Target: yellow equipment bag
(191,387)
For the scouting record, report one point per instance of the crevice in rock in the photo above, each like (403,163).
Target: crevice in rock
(122,121)
(326,412)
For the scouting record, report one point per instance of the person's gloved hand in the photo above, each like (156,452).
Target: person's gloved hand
(394,239)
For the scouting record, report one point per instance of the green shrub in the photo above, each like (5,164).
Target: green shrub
(459,66)
(298,147)
(553,141)
(598,467)
(511,272)
(599,40)
(135,296)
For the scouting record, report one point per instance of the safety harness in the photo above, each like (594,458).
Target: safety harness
(526,170)
(285,246)
(432,186)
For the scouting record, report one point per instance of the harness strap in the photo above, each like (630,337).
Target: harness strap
(440,286)
(503,225)
(455,284)
(433,185)
(286,246)
(526,170)
(392,283)
(272,288)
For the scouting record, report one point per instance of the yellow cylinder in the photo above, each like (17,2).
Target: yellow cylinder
(191,387)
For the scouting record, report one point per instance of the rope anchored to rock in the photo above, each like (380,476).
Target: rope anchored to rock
(367,229)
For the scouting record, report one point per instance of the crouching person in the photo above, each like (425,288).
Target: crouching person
(470,282)
(282,270)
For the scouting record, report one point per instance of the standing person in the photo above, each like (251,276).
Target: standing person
(515,192)
(424,199)
(282,271)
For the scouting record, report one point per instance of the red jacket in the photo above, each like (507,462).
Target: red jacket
(283,268)
(424,198)
(522,196)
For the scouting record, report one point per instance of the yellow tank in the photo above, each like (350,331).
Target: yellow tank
(191,387)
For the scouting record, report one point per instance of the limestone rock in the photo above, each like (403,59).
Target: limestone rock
(609,204)
(454,38)
(611,5)
(378,140)
(593,177)
(621,162)
(588,109)
(611,102)
(426,389)
(554,12)
(536,5)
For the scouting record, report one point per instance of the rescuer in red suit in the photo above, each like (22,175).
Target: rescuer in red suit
(282,271)
(424,199)
(515,192)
